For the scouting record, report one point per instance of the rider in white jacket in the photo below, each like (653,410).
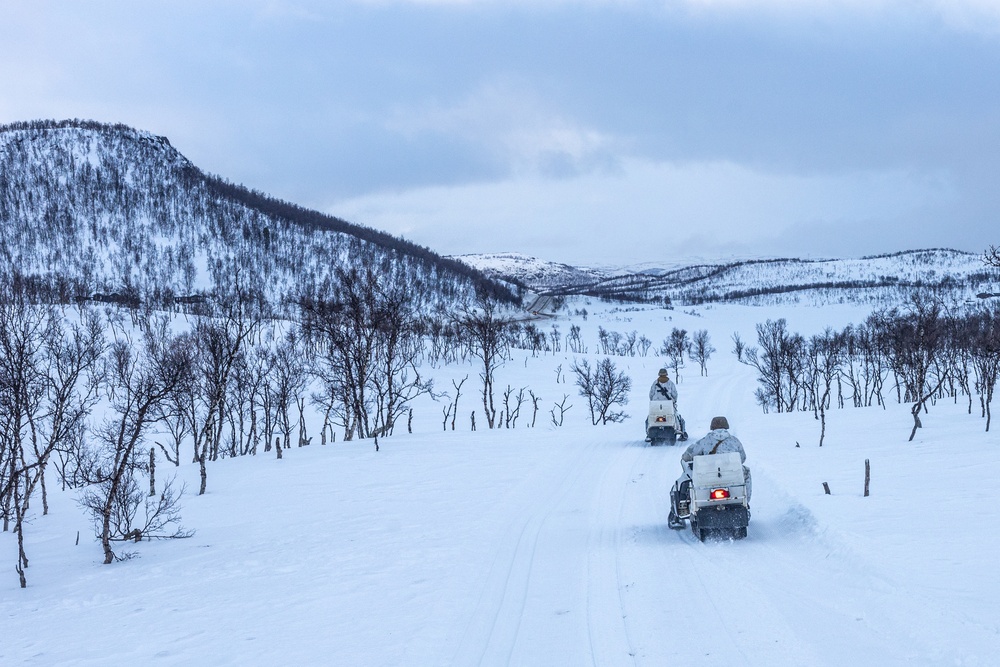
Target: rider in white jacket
(718,440)
(663,388)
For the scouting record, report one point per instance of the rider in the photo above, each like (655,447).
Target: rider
(664,389)
(717,441)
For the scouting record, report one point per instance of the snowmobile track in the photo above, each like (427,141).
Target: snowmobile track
(491,637)
(607,618)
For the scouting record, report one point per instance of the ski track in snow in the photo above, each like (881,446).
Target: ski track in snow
(493,630)
(607,618)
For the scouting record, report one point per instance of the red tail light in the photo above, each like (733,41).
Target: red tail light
(719,494)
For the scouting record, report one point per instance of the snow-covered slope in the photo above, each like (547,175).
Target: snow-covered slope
(532,272)
(549,545)
(882,280)
(91,209)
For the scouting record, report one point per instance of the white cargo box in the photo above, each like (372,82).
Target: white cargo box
(722,469)
(665,408)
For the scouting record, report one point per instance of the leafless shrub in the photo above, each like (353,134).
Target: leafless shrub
(604,388)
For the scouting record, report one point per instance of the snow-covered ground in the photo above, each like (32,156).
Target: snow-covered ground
(549,545)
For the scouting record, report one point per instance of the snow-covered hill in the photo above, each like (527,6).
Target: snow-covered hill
(88,209)
(884,279)
(549,545)
(532,272)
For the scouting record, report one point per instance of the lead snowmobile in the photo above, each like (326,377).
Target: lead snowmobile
(664,425)
(713,496)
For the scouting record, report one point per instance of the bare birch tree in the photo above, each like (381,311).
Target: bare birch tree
(139,375)
(604,388)
(487,334)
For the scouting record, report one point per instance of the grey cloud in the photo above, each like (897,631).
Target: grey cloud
(305,100)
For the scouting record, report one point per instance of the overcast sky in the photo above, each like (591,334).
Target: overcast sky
(593,132)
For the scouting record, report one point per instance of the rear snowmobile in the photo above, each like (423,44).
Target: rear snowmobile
(715,499)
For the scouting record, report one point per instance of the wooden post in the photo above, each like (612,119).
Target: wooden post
(868,476)
(826,487)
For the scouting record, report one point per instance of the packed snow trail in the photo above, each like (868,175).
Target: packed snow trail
(538,587)
(607,619)
(592,574)
(786,595)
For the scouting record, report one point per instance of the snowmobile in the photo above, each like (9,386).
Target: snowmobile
(664,425)
(713,497)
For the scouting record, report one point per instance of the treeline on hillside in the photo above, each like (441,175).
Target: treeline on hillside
(918,355)
(637,289)
(902,287)
(63,124)
(93,397)
(877,279)
(277,208)
(699,292)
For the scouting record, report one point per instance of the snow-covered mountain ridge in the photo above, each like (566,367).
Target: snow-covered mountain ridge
(109,212)
(889,278)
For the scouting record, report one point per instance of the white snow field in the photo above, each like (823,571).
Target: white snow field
(549,545)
